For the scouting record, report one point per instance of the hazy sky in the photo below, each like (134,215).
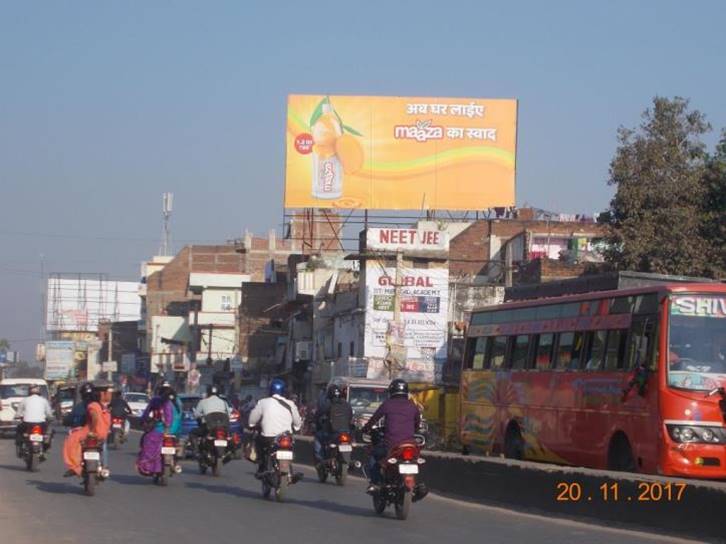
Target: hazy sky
(105,105)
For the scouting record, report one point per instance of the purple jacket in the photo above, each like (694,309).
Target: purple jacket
(402,420)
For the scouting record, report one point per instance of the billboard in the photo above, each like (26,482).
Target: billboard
(413,239)
(78,304)
(400,153)
(424,316)
(59,359)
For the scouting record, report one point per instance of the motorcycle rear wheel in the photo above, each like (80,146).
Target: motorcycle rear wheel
(379,504)
(322,473)
(341,473)
(31,462)
(281,491)
(89,484)
(113,440)
(217,467)
(266,488)
(162,479)
(202,468)
(403,505)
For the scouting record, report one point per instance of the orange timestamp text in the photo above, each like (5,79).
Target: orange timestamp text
(613,492)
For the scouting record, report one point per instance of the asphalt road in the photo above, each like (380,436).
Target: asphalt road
(45,507)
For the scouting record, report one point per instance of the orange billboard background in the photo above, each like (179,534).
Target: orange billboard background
(400,153)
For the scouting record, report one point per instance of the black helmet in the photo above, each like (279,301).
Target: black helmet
(398,388)
(165,389)
(86,391)
(334,392)
(212,390)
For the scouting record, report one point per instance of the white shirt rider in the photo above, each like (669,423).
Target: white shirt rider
(34,409)
(273,418)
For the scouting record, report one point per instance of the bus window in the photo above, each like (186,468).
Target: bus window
(477,362)
(569,350)
(497,351)
(615,353)
(622,305)
(641,343)
(543,353)
(596,350)
(520,350)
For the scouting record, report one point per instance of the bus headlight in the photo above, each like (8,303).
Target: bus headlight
(696,434)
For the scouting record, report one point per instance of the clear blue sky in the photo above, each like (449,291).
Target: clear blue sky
(105,105)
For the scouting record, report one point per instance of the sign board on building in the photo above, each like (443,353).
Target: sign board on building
(128,363)
(59,359)
(109,366)
(394,239)
(400,153)
(424,316)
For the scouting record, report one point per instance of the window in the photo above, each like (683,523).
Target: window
(596,350)
(543,353)
(351,353)
(477,350)
(497,351)
(226,303)
(569,350)
(340,349)
(615,353)
(641,343)
(520,349)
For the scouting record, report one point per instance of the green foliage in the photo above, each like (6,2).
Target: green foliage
(4,344)
(714,209)
(656,220)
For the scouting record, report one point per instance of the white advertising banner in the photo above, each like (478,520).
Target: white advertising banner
(424,316)
(421,239)
(59,359)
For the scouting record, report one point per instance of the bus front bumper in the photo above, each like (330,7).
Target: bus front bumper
(694,460)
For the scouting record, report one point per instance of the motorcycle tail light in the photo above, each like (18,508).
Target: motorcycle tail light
(37,429)
(236,439)
(344,438)
(221,433)
(408,454)
(285,442)
(91,442)
(117,420)
(169,442)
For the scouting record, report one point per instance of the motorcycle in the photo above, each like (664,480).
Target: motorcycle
(34,445)
(399,471)
(169,455)
(118,432)
(278,475)
(92,470)
(214,450)
(336,459)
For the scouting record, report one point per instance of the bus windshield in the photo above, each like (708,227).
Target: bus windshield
(697,342)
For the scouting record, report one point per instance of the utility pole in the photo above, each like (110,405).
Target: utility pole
(209,345)
(395,340)
(110,348)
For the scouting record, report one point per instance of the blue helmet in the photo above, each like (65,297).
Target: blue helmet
(277,387)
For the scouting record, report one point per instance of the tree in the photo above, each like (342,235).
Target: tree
(4,344)
(714,209)
(655,218)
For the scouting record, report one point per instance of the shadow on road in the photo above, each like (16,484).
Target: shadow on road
(131,479)
(56,487)
(226,489)
(18,468)
(329,506)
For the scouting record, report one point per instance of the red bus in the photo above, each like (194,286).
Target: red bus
(624,380)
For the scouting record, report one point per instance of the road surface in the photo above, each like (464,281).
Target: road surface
(45,507)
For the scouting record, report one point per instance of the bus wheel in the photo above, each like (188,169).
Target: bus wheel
(620,454)
(513,442)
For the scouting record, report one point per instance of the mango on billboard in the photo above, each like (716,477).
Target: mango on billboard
(400,153)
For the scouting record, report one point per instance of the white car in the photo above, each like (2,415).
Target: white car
(137,402)
(12,392)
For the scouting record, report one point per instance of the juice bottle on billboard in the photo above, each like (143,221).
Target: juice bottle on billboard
(327,169)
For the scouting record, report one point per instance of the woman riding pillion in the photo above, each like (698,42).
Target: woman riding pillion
(159,418)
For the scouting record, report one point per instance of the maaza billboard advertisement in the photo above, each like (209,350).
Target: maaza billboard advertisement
(400,152)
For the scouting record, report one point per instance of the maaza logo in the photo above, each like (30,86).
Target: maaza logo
(421,131)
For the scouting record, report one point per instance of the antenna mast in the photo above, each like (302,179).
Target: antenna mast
(167,200)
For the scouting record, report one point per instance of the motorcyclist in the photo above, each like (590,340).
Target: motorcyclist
(120,409)
(402,421)
(212,410)
(335,416)
(274,415)
(33,410)
(95,421)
